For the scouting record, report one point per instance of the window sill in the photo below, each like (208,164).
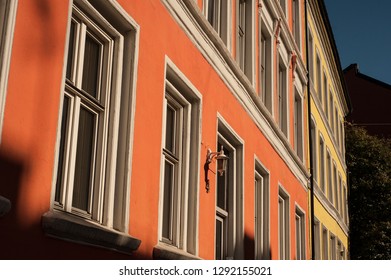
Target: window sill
(68,227)
(166,252)
(5,205)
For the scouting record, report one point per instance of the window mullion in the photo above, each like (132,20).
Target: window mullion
(179,135)
(80,55)
(74,127)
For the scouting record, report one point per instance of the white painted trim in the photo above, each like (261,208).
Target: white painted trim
(5,55)
(228,135)
(218,56)
(284,195)
(189,96)
(125,88)
(265,174)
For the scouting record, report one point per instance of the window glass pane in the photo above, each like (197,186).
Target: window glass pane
(170,129)
(167,200)
(84,161)
(211,11)
(71,50)
(281,227)
(219,239)
(299,237)
(3,19)
(91,66)
(222,185)
(64,122)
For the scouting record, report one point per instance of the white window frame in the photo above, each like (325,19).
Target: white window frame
(335,186)
(296,22)
(220,19)
(311,57)
(317,243)
(322,164)
(345,205)
(233,237)
(7,24)
(283,224)
(184,98)
(325,244)
(319,77)
(78,100)
(265,62)
(283,5)
(110,207)
(300,233)
(331,113)
(329,173)
(325,90)
(333,247)
(283,92)
(298,124)
(245,37)
(339,250)
(314,159)
(262,211)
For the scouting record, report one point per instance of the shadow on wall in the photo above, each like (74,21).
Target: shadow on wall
(11,171)
(249,249)
(18,241)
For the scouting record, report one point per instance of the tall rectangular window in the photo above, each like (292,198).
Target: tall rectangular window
(331,113)
(283,5)
(217,15)
(223,209)
(245,37)
(314,152)
(283,225)
(329,178)
(311,57)
(325,244)
(265,63)
(333,245)
(300,235)
(228,225)
(317,244)
(345,204)
(324,92)
(283,98)
(298,126)
(318,78)
(322,162)
(180,162)
(90,175)
(340,195)
(335,186)
(84,109)
(261,185)
(339,251)
(262,68)
(296,22)
(242,34)
(335,122)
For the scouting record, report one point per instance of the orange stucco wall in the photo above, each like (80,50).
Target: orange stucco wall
(31,123)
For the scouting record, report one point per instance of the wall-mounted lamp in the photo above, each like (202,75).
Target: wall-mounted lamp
(222,160)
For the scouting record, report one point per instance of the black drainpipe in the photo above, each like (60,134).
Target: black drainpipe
(312,227)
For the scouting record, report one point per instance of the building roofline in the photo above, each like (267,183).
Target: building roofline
(357,72)
(330,34)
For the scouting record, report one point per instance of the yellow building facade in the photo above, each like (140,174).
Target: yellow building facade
(329,104)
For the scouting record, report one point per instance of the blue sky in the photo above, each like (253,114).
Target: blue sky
(362,31)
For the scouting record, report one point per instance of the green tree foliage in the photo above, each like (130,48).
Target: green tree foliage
(369,165)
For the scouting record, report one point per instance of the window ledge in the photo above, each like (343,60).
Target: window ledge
(5,205)
(164,252)
(68,227)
